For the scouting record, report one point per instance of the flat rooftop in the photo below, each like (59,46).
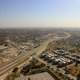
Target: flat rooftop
(39,76)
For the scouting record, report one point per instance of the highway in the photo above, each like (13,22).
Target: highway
(21,58)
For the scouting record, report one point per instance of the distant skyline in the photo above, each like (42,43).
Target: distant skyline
(39,13)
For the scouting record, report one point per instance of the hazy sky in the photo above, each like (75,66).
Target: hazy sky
(39,13)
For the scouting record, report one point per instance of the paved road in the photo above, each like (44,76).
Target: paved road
(21,58)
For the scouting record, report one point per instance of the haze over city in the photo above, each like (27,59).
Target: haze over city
(39,39)
(39,13)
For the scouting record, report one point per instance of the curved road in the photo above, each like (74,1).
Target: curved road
(21,58)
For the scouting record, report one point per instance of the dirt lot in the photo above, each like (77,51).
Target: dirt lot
(74,70)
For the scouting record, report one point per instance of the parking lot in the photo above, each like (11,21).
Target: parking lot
(55,59)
